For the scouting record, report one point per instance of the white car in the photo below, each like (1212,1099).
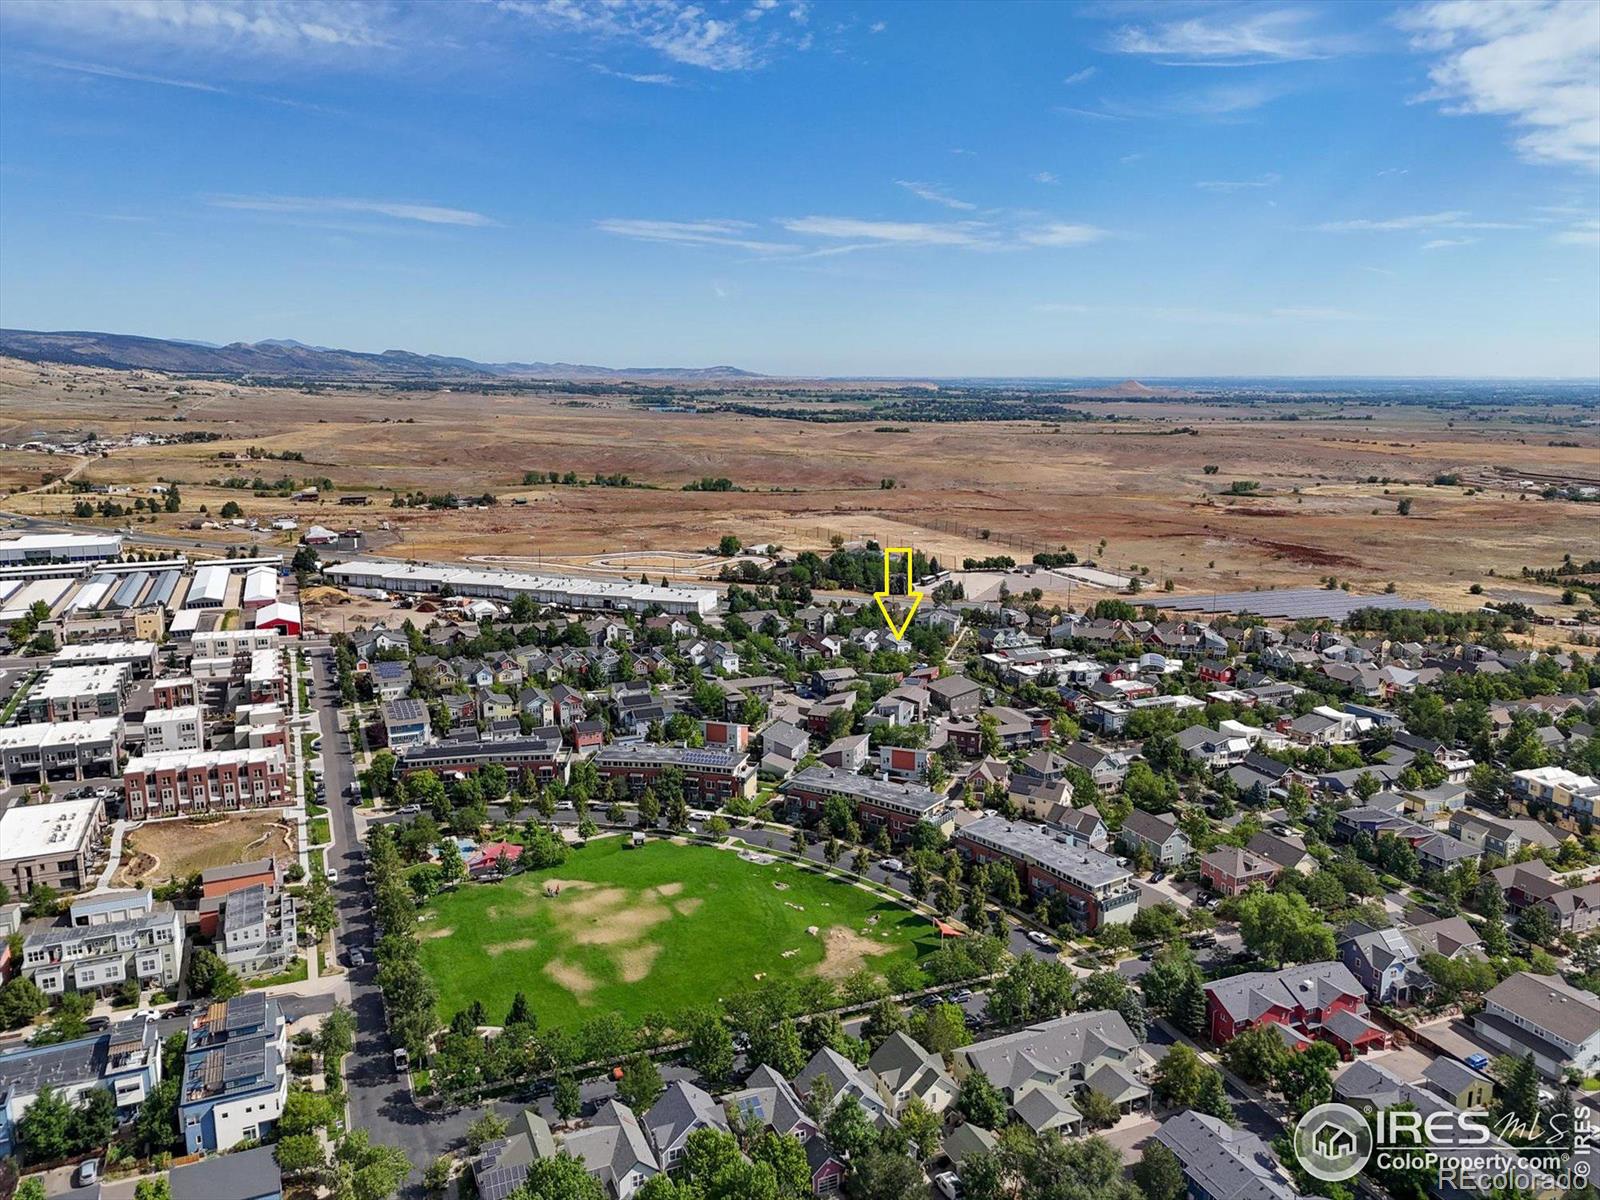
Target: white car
(949,1185)
(1041,939)
(892,864)
(145,1014)
(331,875)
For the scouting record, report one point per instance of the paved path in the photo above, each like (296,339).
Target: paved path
(115,860)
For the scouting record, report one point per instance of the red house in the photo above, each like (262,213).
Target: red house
(1230,870)
(1216,672)
(1315,1002)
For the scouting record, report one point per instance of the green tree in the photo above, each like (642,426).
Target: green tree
(1257,1054)
(640,1085)
(848,1128)
(923,1127)
(1159,1174)
(980,1102)
(1099,1110)
(567,1099)
(1183,1080)
(786,1156)
(367,1171)
(21,1001)
(490,1127)
(159,1188)
(559,1178)
(45,1129)
(94,1120)
(300,1154)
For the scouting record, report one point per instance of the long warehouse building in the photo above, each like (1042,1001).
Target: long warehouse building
(60,547)
(559,591)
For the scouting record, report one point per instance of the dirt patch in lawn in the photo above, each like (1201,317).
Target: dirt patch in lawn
(437,933)
(687,906)
(499,948)
(669,889)
(595,904)
(571,977)
(634,963)
(845,951)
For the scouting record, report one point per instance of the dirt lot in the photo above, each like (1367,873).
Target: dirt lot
(1136,483)
(163,850)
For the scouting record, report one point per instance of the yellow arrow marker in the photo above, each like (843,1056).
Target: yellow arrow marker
(897,628)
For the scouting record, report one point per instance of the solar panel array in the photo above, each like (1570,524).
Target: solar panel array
(1290,603)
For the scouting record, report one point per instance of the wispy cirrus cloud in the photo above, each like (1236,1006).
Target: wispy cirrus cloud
(106,72)
(902,233)
(934,194)
(427,214)
(1584,233)
(657,79)
(1063,234)
(1266,180)
(1536,62)
(1046,177)
(1448,243)
(735,235)
(684,32)
(1081,76)
(1449,219)
(1243,37)
(282,28)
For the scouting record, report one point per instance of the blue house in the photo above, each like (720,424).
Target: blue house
(1385,962)
(235,1078)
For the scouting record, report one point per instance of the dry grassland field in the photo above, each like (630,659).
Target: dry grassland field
(1132,476)
(164,850)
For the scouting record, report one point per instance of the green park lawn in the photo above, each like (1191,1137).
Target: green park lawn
(658,928)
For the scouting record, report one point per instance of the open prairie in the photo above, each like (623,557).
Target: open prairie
(1133,475)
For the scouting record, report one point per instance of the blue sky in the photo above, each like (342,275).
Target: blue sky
(1117,189)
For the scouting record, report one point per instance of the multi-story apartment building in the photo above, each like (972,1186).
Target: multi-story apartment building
(897,806)
(257,930)
(1098,888)
(56,845)
(104,940)
(708,775)
(79,693)
(169,730)
(165,785)
(1558,787)
(235,1078)
(140,656)
(60,750)
(174,691)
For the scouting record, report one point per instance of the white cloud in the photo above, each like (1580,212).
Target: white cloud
(1269,179)
(84,68)
(934,194)
(685,33)
(428,214)
(878,26)
(1317,314)
(905,233)
(1584,233)
(1080,76)
(1242,38)
(735,234)
(1447,243)
(1393,224)
(1536,62)
(276,27)
(1061,234)
(658,80)
(1046,177)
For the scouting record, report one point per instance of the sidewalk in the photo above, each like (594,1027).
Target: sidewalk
(115,858)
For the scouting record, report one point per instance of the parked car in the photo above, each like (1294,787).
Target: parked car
(1477,1062)
(96,1024)
(357,958)
(88,1172)
(960,995)
(948,1184)
(402,1060)
(1158,876)
(409,810)
(892,864)
(331,875)
(1042,940)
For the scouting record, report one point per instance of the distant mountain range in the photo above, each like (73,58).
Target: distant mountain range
(285,358)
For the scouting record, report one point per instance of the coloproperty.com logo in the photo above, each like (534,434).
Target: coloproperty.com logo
(1334,1142)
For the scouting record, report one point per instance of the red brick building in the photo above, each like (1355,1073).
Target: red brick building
(1314,1002)
(167,785)
(708,775)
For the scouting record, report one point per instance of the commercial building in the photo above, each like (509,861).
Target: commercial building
(125,1060)
(260,588)
(235,1079)
(1098,888)
(60,548)
(104,940)
(561,592)
(208,588)
(60,750)
(280,617)
(79,693)
(898,806)
(165,785)
(707,774)
(51,844)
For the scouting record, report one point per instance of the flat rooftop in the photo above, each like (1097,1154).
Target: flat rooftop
(32,830)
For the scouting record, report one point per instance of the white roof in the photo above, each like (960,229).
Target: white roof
(260,585)
(397,574)
(50,541)
(183,759)
(46,735)
(209,584)
(185,621)
(87,680)
(99,652)
(164,716)
(280,610)
(29,830)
